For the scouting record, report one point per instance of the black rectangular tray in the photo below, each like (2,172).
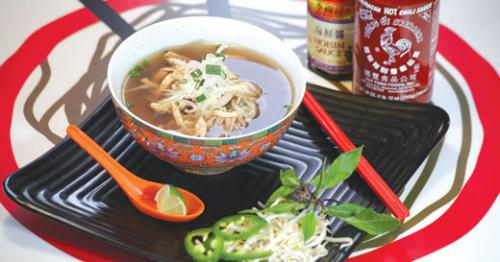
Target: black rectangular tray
(66,185)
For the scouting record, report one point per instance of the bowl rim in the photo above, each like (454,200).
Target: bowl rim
(279,122)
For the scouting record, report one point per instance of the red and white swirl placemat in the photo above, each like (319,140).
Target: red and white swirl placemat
(53,62)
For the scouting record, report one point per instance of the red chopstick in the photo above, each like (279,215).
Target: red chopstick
(365,169)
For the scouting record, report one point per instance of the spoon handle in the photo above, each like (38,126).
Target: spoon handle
(125,179)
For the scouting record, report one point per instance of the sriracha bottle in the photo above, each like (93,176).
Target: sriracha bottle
(395,49)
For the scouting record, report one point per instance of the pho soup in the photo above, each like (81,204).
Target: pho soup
(208,90)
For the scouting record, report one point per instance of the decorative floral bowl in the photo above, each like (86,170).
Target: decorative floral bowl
(196,155)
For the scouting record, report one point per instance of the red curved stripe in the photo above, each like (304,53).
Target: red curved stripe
(14,72)
(481,190)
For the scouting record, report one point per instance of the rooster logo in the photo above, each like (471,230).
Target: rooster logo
(400,48)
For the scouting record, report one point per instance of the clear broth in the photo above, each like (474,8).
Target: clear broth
(273,104)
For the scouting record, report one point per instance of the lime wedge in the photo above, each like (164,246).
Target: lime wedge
(170,201)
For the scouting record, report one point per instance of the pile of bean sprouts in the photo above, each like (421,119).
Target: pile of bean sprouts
(284,237)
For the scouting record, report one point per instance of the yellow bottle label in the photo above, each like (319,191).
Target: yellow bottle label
(331,10)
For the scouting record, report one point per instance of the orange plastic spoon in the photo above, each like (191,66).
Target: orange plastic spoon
(140,192)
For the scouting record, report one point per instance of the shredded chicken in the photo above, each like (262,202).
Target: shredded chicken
(199,99)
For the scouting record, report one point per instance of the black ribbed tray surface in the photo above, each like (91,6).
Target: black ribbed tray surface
(68,186)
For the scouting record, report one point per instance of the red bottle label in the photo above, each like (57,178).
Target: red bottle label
(395,48)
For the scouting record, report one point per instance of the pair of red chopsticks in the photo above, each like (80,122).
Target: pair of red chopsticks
(365,169)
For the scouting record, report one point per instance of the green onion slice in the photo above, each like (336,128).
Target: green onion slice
(196,73)
(221,55)
(213,69)
(199,84)
(134,73)
(217,47)
(201,98)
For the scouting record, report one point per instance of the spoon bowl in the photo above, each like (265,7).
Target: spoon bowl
(147,204)
(139,191)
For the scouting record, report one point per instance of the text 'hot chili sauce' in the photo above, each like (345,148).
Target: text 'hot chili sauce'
(395,49)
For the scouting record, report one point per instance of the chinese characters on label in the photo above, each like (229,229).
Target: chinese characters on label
(395,49)
(330,31)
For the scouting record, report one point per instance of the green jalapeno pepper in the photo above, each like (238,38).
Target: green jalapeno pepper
(245,255)
(238,226)
(203,245)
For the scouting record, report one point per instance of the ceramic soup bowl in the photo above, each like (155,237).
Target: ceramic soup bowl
(210,155)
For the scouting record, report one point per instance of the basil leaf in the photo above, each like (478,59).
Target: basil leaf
(363,218)
(280,192)
(318,180)
(289,178)
(308,224)
(342,168)
(344,210)
(315,181)
(285,207)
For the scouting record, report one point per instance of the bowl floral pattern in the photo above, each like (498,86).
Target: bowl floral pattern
(201,156)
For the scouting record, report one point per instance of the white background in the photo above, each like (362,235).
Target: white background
(476,21)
